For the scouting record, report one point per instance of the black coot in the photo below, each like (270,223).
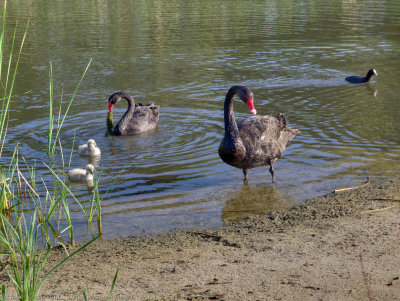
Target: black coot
(355,79)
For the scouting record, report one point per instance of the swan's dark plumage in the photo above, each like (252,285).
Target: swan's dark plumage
(355,79)
(137,118)
(256,141)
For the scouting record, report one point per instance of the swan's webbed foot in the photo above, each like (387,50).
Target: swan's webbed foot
(245,174)
(272,171)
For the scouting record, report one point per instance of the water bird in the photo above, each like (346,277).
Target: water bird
(81,175)
(355,79)
(137,118)
(89,149)
(257,140)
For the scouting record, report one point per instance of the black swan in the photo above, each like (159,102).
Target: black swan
(355,79)
(137,118)
(257,140)
(89,149)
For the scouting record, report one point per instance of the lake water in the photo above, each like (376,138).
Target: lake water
(184,56)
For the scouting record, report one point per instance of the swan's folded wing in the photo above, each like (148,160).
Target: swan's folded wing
(143,119)
(265,137)
(260,128)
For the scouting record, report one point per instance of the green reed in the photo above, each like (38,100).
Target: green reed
(95,201)
(27,215)
(11,71)
(111,290)
(52,141)
(24,256)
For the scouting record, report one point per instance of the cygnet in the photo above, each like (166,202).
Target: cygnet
(89,149)
(81,175)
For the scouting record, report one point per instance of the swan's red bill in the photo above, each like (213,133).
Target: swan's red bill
(110,106)
(250,104)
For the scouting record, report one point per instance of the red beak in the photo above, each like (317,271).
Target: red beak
(250,104)
(110,106)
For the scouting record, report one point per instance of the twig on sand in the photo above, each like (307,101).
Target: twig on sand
(380,209)
(355,187)
(216,281)
(387,200)
(205,234)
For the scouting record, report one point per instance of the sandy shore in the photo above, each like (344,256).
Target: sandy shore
(335,247)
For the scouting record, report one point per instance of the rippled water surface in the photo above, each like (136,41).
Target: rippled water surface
(184,56)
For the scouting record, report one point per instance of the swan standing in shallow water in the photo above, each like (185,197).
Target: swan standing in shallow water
(82,175)
(89,149)
(355,79)
(256,141)
(137,118)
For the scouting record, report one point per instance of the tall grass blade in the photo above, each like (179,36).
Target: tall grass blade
(51,117)
(67,189)
(62,262)
(113,285)
(8,91)
(98,201)
(60,124)
(3,27)
(3,292)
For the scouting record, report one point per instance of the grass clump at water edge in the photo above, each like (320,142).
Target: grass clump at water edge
(26,217)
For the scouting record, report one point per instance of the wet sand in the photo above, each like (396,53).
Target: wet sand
(342,246)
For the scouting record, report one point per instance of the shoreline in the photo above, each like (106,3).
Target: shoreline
(340,246)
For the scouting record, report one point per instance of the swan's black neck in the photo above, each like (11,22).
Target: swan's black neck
(231,129)
(131,102)
(129,112)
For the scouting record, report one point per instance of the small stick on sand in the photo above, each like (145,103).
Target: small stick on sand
(204,234)
(380,209)
(215,281)
(355,187)
(387,200)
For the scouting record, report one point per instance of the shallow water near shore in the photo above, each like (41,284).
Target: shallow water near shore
(184,56)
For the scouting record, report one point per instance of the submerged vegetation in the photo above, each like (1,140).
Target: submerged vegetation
(35,214)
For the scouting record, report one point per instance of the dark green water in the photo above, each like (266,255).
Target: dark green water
(184,56)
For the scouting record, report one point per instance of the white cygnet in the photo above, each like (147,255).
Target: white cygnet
(89,149)
(81,175)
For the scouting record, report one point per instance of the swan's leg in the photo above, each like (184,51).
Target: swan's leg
(272,171)
(245,174)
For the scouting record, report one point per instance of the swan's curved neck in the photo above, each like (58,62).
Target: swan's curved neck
(131,103)
(231,128)
(131,109)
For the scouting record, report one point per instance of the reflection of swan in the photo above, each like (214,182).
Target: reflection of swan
(94,160)
(256,141)
(89,149)
(248,200)
(137,118)
(355,79)
(82,175)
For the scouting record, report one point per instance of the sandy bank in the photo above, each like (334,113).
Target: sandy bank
(332,248)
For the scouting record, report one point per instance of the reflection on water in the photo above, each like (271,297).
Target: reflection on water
(253,199)
(184,56)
